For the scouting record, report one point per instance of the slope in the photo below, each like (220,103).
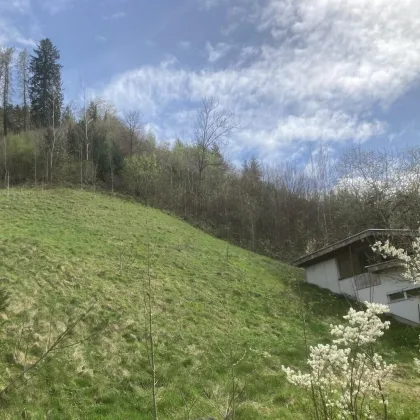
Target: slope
(214,304)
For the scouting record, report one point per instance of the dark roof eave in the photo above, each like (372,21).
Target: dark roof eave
(306,259)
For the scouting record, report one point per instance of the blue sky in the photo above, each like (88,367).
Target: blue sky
(296,73)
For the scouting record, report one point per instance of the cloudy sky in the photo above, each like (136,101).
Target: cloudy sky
(296,73)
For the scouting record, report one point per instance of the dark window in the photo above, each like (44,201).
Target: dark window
(344,265)
(353,260)
(413,292)
(395,297)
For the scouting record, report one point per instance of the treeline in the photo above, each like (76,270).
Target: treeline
(281,211)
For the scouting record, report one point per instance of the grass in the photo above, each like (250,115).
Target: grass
(61,249)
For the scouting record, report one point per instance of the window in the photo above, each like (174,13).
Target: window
(404,294)
(396,297)
(353,260)
(412,293)
(344,265)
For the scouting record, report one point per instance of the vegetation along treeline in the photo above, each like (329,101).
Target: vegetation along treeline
(281,211)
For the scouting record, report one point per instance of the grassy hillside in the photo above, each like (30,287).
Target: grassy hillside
(61,249)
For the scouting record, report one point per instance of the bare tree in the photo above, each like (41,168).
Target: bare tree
(23,82)
(133,122)
(149,324)
(86,122)
(373,178)
(55,134)
(6,57)
(212,130)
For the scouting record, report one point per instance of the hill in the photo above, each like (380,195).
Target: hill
(62,249)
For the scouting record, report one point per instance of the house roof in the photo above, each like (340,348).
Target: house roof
(316,256)
(385,265)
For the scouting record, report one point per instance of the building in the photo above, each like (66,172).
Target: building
(350,267)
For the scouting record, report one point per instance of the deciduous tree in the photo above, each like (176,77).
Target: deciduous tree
(6,58)
(23,82)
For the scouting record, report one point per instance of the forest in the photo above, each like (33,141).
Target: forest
(281,210)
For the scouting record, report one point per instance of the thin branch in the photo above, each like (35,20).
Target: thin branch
(53,347)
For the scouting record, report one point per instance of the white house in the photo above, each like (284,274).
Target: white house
(350,267)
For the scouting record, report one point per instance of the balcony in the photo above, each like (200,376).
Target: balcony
(366,280)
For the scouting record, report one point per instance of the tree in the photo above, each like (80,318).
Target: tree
(408,256)
(373,178)
(23,83)
(141,173)
(344,378)
(134,125)
(212,130)
(45,90)
(6,57)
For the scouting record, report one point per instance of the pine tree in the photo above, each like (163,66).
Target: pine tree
(45,90)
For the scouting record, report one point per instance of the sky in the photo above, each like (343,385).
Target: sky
(296,73)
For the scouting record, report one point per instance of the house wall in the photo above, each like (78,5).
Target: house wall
(392,281)
(325,274)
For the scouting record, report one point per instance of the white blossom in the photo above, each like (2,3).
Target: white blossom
(363,326)
(410,261)
(346,376)
(417,363)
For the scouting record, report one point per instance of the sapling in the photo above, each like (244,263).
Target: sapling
(417,363)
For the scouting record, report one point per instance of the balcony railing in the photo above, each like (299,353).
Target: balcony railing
(365,280)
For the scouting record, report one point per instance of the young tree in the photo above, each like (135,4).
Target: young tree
(141,173)
(23,83)
(133,122)
(54,133)
(45,90)
(212,130)
(6,58)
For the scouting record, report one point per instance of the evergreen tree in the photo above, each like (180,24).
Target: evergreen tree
(45,90)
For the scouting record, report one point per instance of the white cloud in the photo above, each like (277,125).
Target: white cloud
(247,54)
(116,16)
(209,4)
(10,35)
(325,125)
(185,45)
(352,49)
(321,69)
(218,51)
(20,6)
(56,6)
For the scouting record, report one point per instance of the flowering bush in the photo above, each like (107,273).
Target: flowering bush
(411,263)
(347,376)
(417,364)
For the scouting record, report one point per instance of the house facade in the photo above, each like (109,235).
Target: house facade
(350,268)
